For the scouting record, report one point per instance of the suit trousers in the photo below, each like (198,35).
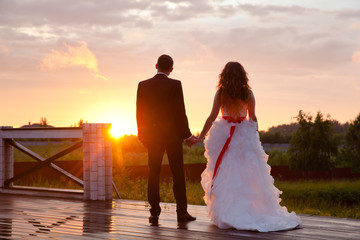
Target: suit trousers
(174,151)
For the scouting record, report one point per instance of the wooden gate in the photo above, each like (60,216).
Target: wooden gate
(97,160)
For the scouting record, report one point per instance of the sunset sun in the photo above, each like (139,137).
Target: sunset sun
(118,130)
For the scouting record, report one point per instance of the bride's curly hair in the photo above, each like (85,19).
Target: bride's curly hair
(233,81)
(233,85)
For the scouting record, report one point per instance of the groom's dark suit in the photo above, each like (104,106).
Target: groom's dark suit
(162,126)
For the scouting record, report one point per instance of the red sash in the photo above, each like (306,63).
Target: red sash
(226,145)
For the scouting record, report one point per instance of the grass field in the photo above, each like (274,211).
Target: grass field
(127,158)
(47,150)
(326,198)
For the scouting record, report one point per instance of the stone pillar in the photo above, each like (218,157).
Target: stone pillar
(97,161)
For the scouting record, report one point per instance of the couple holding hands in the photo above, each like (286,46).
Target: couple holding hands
(239,190)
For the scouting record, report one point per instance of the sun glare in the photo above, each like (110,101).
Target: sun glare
(122,122)
(118,130)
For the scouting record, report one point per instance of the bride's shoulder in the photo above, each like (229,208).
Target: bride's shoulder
(251,94)
(218,95)
(251,98)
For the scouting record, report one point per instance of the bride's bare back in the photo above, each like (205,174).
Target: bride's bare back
(234,108)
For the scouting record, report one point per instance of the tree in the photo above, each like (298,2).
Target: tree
(313,146)
(350,154)
(44,122)
(274,137)
(81,122)
(285,129)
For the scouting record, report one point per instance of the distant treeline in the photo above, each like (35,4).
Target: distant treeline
(314,143)
(276,134)
(283,133)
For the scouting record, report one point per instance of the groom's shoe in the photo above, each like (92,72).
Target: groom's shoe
(154,220)
(186,217)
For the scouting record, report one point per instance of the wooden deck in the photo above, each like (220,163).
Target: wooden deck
(24,217)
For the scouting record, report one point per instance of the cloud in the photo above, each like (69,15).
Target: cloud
(56,13)
(263,10)
(348,13)
(72,56)
(354,26)
(180,10)
(286,49)
(356,57)
(4,49)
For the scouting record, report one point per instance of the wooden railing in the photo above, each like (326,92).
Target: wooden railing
(97,160)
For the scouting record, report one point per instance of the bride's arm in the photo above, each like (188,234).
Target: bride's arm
(251,107)
(214,113)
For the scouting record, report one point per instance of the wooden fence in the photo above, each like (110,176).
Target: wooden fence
(97,160)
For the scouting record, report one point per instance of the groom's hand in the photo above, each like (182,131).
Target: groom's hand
(191,140)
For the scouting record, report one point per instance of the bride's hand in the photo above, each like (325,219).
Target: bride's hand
(191,141)
(194,141)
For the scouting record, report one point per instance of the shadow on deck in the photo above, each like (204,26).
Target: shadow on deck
(39,217)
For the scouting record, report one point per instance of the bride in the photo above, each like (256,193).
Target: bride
(239,190)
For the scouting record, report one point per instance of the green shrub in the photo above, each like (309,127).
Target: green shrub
(278,158)
(194,154)
(313,146)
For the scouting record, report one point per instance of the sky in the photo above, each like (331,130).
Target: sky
(72,60)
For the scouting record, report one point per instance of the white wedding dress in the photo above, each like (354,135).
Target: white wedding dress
(242,194)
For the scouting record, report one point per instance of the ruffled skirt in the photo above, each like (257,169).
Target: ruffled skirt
(243,195)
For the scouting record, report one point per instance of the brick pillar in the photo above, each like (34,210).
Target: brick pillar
(6,160)
(97,159)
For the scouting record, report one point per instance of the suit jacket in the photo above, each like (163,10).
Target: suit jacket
(160,110)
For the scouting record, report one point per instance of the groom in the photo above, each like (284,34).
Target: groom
(162,126)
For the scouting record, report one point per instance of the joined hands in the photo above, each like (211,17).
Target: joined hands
(191,140)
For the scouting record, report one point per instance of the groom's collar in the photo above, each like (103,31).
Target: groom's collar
(162,73)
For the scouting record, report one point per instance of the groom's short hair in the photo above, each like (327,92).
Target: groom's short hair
(165,63)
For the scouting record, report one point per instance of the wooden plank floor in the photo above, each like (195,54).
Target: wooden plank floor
(24,217)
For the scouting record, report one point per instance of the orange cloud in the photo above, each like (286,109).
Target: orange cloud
(72,56)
